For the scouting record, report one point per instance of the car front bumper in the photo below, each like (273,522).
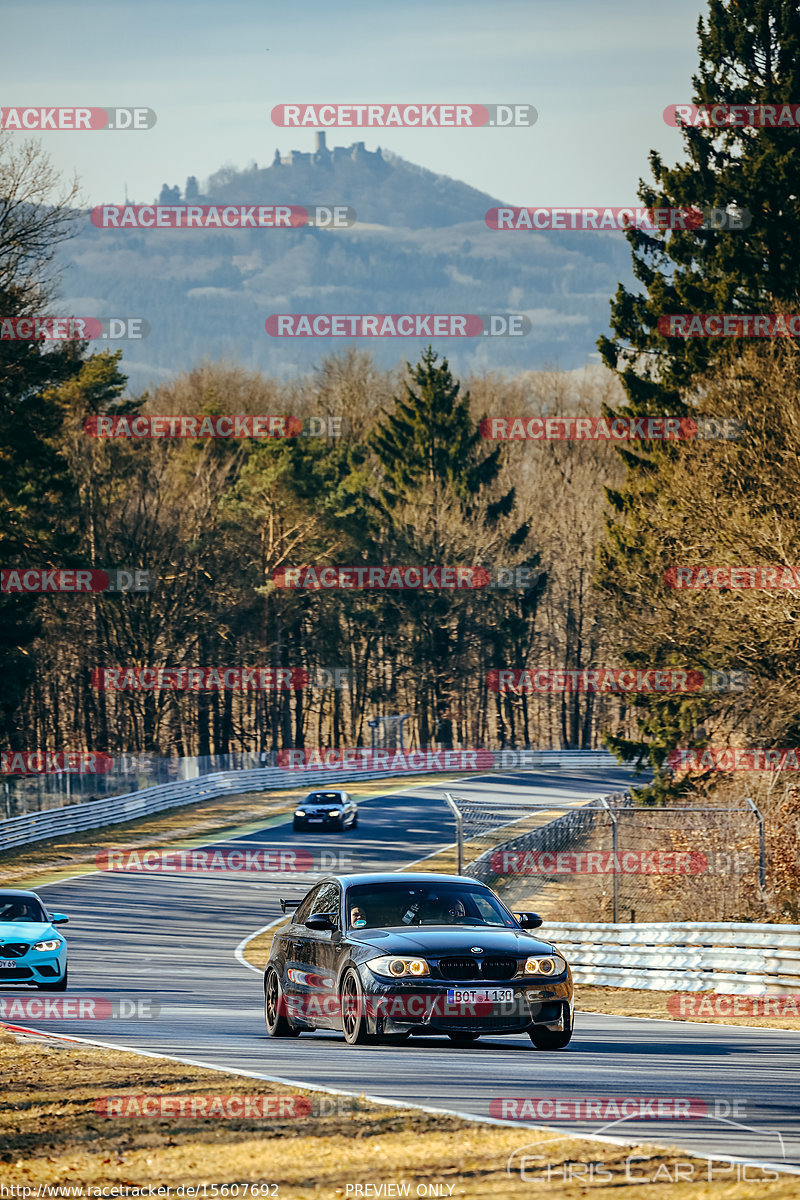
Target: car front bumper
(37,966)
(424,1006)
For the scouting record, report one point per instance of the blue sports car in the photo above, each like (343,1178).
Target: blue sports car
(31,948)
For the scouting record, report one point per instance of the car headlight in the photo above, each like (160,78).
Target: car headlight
(53,944)
(545,964)
(334,812)
(396,967)
(299,812)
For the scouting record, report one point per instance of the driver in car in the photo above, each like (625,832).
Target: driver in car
(456,912)
(358,917)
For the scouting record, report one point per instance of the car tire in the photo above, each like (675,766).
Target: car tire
(354,1016)
(354,822)
(277,1024)
(59,986)
(463,1039)
(552,1039)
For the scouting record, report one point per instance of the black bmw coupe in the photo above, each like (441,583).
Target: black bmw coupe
(385,956)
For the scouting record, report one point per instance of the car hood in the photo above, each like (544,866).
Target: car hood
(26,931)
(437,940)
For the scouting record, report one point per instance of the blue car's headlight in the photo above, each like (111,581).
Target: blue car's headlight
(299,812)
(52,944)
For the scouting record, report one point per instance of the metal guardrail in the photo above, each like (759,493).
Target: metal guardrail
(75,818)
(720,956)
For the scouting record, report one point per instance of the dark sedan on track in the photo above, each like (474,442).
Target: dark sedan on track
(387,956)
(327,810)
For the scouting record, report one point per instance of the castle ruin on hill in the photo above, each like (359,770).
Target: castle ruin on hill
(321,156)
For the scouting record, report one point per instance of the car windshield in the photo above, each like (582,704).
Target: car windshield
(20,908)
(323,798)
(388,905)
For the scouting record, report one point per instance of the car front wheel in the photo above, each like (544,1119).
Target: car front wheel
(552,1039)
(354,1009)
(274,1006)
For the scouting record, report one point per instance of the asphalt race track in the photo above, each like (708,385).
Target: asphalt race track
(170,939)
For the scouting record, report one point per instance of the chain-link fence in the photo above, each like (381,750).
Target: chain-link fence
(612,860)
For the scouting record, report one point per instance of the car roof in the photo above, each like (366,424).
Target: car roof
(4,891)
(401,877)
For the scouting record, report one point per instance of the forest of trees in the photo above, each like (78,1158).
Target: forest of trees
(412,482)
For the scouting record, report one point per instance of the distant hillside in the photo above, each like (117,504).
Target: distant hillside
(420,245)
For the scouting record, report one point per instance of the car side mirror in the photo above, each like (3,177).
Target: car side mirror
(529,920)
(59,919)
(320,921)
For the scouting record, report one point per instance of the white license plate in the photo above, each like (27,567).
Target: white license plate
(8,962)
(315,820)
(479,995)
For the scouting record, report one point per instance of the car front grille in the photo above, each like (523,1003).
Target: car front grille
(13,949)
(476,1023)
(486,969)
(459,968)
(499,968)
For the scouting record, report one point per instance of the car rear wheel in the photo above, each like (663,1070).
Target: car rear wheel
(552,1039)
(354,1014)
(463,1039)
(274,1005)
(59,986)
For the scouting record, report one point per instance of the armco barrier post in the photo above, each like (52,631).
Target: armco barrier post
(762,845)
(614,848)
(451,804)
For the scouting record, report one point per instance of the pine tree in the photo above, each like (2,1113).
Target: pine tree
(749,54)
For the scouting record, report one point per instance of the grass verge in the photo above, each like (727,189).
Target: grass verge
(703,1007)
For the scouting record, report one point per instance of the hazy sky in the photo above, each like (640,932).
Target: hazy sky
(599,75)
